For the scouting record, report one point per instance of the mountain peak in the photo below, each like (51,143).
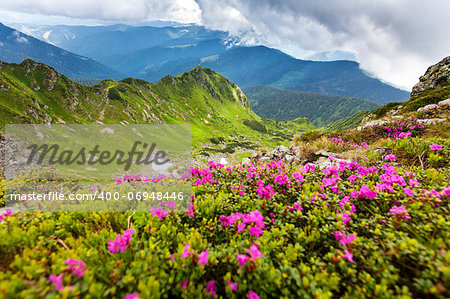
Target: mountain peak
(436,76)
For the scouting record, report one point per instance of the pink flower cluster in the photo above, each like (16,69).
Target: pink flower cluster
(134,295)
(120,244)
(158,211)
(264,192)
(77,267)
(436,147)
(401,210)
(254,254)
(283,180)
(345,240)
(296,207)
(366,192)
(202,257)
(341,142)
(397,129)
(7,213)
(137,178)
(57,281)
(254,218)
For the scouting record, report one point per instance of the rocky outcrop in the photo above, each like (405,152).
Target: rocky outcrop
(435,77)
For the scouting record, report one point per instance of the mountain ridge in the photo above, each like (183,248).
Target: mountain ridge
(246,66)
(33,92)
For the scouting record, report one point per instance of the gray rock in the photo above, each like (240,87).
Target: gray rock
(289,158)
(382,150)
(323,162)
(282,148)
(377,122)
(435,77)
(444,102)
(324,153)
(431,121)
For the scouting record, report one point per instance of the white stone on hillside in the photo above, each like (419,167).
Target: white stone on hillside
(444,102)
(431,106)
(431,121)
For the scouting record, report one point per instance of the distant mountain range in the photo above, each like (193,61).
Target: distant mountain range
(284,104)
(150,53)
(16,46)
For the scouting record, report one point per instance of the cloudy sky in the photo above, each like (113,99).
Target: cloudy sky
(396,40)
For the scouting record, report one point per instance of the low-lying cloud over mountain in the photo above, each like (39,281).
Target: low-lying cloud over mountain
(395,40)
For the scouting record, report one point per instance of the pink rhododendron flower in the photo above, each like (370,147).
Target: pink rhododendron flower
(348,256)
(7,213)
(169,204)
(347,240)
(158,211)
(233,286)
(184,284)
(190,211)
(373,169)
(309,168)
(254,252)
(242,259)
(295,206)
(338,235)
(134,295)
(344,240)
(203,257)
(413,183)
(353,178)
(345,201)
(120,244)
(265,192)
(408,192)
(345,217)
(186,253)
(390,158)
(282,180)
(211,288)
(240,227)
(252,295)
(436,147)
(365,192)
(446,191)
(255,231)
(76,266)
(399,211)
(57,281)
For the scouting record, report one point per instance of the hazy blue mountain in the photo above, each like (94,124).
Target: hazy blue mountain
(16,46)
(320,109)
(146,62)
(99,42)
(249,66)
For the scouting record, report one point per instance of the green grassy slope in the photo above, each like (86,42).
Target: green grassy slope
(283,104)
(348,122)
(32,92)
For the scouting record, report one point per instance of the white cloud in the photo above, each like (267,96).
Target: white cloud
(19,37)
(109,10)
(395,40)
